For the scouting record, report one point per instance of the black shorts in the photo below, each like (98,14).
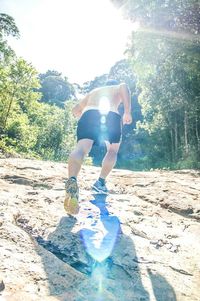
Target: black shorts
(99,128)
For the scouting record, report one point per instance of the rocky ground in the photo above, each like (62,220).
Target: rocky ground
(140,243)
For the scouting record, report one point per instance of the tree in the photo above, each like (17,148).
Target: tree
(18,79)
(164,54)
(26,125)
(97,82)
(7,27)
(175,15)
(55,130)
(55,89)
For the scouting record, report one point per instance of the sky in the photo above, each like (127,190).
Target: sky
(81,39)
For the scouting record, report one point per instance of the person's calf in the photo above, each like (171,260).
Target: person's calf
(108,163)
(74,163)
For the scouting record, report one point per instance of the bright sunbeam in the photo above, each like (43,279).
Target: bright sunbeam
(104,106)
(99,277)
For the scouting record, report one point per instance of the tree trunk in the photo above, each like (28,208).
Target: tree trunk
(176,139)
(186,133)
(7,114)
(197,133)
(172,144)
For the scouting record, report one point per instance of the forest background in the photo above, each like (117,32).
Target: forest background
(162,70)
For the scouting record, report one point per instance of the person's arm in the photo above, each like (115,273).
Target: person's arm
(79,107)
(126,98)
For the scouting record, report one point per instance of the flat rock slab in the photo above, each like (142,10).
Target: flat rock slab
(139,243)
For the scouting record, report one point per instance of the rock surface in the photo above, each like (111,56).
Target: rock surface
(140,243)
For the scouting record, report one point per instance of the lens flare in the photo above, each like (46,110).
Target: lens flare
(103,119)
(104,105)
(99,240)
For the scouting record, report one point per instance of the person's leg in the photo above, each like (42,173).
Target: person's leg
(107,165)
(77,156)
(109,159)
(74,165)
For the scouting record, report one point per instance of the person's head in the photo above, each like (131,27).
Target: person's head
(112,82)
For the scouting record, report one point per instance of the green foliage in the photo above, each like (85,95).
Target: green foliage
(18,79)
(43,131)
(170,91)
(176,15)
(164,54)
(98,81)
(20,133)
(191,162)
(55,89)
(26,125)
(123,72)
(7,27)
(56,131)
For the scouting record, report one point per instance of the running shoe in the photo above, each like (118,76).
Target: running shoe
(99,187)
(71,204)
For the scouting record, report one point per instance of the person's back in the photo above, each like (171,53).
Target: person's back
(105,98)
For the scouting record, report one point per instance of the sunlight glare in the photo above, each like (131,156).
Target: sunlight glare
(104,106)
(135,26)
(81,39)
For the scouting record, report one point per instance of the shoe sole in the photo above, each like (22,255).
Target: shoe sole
(71,206)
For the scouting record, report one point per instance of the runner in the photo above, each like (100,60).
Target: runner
(99,120)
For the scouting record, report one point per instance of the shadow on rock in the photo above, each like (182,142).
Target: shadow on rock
(163,291)
(116,267)
(102,263)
